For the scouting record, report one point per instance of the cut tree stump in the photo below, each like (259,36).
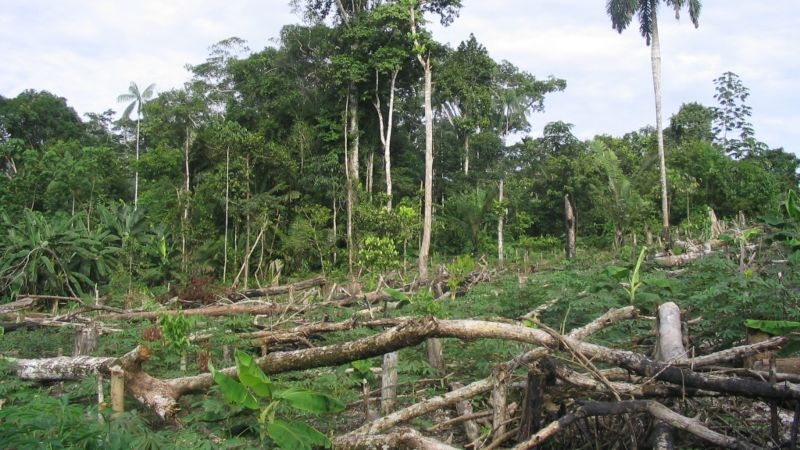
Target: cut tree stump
(86,340)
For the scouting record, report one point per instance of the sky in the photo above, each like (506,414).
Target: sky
(89,51)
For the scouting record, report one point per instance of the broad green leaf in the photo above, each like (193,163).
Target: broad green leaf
(774,221)
(794,258)
(773,326)
(234,391)
(617,272)
(396,294)
(296,435)
(313,402)
(662,283)
(252,376)
(792,207)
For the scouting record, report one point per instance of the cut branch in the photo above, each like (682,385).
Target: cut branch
(278,290)
(652,407)
(214,311)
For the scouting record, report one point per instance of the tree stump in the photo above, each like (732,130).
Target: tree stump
(569,224)
(435,355)
(86,340)
(389,383)
(117,390)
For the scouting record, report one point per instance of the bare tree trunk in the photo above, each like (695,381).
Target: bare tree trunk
(335,228)
(246,262)
(464,409)
(351,161)
(435,355)
(117,390)
(466,154)
(185,197)
(370,169)
(136,172)
(227,205)
(389,383)
(655,58)
(500,377)
(427,224)
(86,340)
(670,348)
(569,223)
(386,132)
(500,221)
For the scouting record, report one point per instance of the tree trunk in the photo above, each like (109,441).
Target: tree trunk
(669,348)
(351,160)
(86,340)
(227,206)
(117,390)
(655,58)
(435,355)
(386,132)
(427,224)
(370,170)
(136,172)
(464,409)
(466,154)
(389,383)
(500,220)
(569,223)
(186,182)
(500,377)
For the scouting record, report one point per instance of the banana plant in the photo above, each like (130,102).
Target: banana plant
(256,391)
(634,279)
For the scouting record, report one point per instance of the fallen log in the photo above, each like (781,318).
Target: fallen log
(18,305)
(213,311)
(415,331)
(278,290)
(401,439)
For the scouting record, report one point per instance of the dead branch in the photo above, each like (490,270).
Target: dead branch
(278,290)
(213,311)
(402,438)
(607,319)
(418,409)
(652,407)
(416,331)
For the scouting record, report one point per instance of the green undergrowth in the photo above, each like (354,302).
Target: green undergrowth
(64,415)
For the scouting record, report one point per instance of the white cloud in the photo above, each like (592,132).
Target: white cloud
(89,50)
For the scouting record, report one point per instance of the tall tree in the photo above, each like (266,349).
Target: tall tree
(621,13)
(423,46)
(465,82)
(732,115)
(136,98)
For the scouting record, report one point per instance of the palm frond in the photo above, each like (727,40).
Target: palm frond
(621,12)
(148,92)
(128,110)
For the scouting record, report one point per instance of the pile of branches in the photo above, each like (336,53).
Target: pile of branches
(566,394)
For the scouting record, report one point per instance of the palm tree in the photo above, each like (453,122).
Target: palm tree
(621,13)
(137,99)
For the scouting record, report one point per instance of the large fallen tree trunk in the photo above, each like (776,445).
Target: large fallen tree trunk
(415,331)
(278,290)
(213,311)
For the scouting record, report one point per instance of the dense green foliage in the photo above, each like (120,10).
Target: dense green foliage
(243,168)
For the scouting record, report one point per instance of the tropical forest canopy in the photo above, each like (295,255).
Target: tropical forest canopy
(310,156)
